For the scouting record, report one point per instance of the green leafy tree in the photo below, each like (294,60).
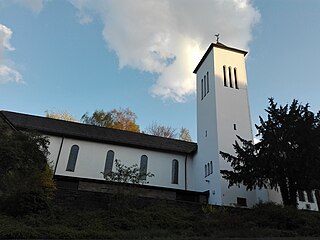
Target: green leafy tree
(287,156)
(127,174)
(26,183)
(123,119)
(185,135)
(98,118)
(61,116)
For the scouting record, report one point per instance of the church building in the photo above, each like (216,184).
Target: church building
(189,171)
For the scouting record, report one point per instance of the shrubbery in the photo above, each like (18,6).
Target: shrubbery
(26,179)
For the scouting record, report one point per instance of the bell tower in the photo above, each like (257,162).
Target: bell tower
(222,114)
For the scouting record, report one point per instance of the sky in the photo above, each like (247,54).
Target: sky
(77,56)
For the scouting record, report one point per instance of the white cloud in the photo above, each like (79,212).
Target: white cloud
(5,36)
(7,73)
(169,37)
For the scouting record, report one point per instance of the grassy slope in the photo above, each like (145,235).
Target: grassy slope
(162,220)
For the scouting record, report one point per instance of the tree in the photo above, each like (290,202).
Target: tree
(123,119)
(26,183)
(185,135)
(161,131)
(99,118)
(125,174)
(287,156)
(61,116)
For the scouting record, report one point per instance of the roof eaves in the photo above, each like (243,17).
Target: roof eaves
(218,45)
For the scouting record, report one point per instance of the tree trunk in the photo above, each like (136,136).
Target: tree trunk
(284,194)
(293,196)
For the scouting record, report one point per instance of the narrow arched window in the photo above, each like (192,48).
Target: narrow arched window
(109,162)
(224,77)
(205,86)
(201,89)
(143,167)
(72,158)
(230,78)
(207,82)
(211,167)
(235,78)
(175,171)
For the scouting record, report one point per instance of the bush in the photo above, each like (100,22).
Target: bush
(26,179)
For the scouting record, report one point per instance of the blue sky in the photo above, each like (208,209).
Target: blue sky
(78,56)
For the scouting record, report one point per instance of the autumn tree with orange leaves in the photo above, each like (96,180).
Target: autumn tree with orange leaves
(123,119)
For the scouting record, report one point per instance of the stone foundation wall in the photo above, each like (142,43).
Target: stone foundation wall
(86,193)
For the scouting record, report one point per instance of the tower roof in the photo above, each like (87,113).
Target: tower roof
(218,45)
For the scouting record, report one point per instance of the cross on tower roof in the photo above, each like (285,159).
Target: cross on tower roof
(217,36)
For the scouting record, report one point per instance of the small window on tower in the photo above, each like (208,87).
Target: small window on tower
(230,78)
(224,77)
(201,89)
(205,170)
(241,201)
(205,86)
(234,126)
(211,167)
(207,82)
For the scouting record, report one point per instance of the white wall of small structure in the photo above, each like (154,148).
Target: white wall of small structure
(92,157)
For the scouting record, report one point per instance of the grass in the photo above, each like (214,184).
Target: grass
(162,220)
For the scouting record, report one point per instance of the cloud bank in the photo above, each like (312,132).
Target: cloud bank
(166,37)
(169,37)
(7,73)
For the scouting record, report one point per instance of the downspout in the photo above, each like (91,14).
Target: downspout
(55,168)
(185,172)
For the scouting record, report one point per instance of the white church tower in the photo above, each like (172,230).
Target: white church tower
(222,113)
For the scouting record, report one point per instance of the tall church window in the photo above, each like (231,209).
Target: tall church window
(201,89)
(211,167)
(143,167)
(109,162)
(230,78)
(205,170)
(175,171)
(207,82)
(235,78)
(73,155)
(224,77)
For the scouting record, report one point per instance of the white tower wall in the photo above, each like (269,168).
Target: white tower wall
(222,113)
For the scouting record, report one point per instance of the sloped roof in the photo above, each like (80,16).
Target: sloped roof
(218,45)
(98,134)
